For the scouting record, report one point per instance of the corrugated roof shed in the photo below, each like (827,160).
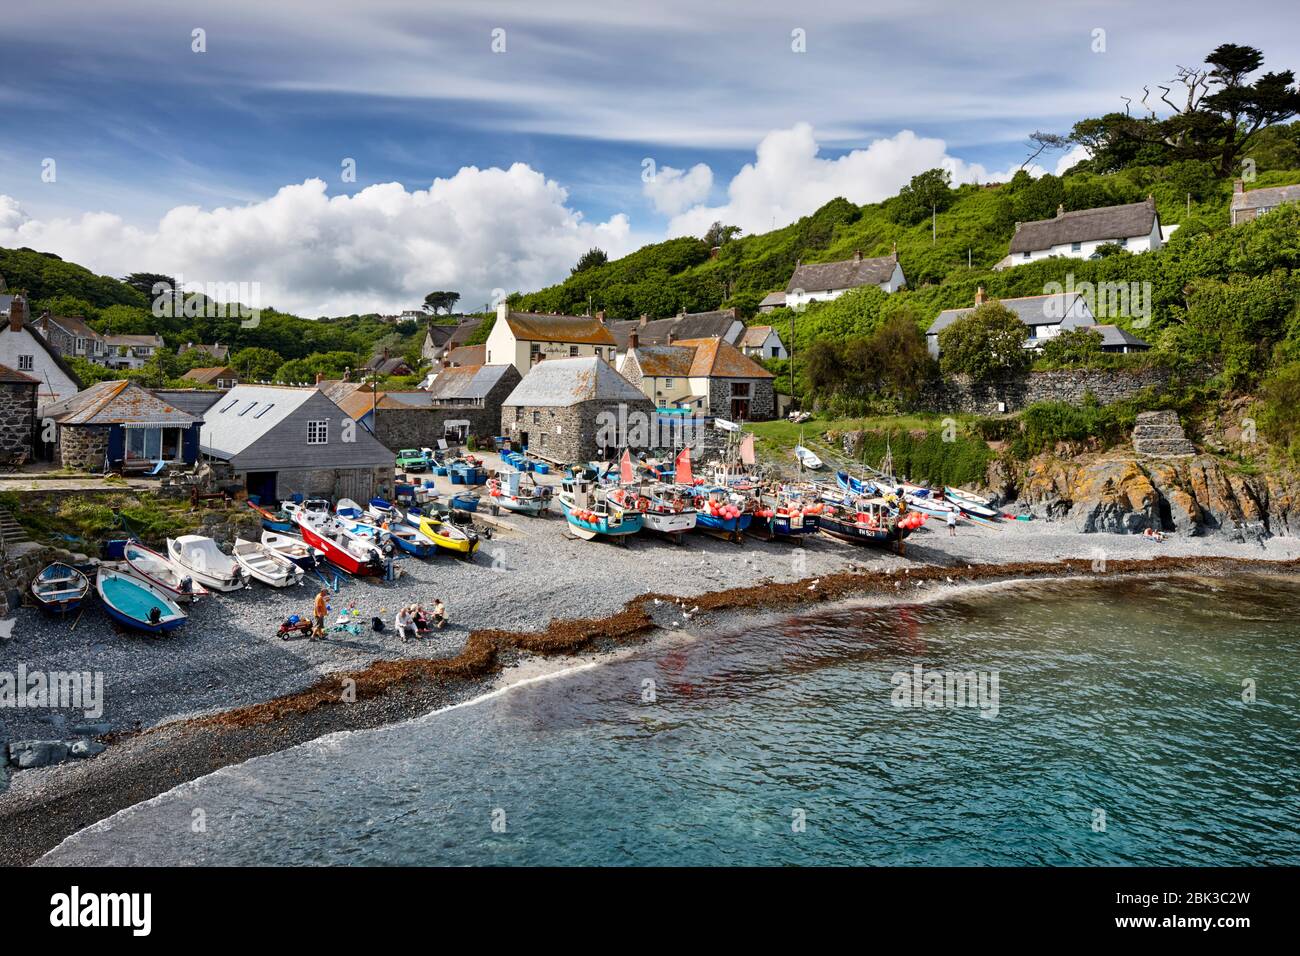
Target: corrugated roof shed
(562,382)
(467,382)
(116,403)
(1086,225)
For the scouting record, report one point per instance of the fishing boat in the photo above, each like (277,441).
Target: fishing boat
(722,512)
(294,548)
(872,522)
(60,588)
(409,539)
(273,521)
(932,506)
(137,604)
(591,513)
(783,516)
(519,492)
(175,580)
(448,535)
(669,511)
(209,565)
(970,503)
(345,551)
(808,458)
(265,564)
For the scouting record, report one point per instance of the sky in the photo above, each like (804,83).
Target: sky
(345,157)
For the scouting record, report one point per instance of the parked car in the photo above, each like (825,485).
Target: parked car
(412,459)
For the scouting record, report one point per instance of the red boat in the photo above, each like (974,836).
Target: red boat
(341,549)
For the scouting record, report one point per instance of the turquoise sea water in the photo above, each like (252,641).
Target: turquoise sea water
(778,741)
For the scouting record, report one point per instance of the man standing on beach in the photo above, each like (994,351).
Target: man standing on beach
(318,614)
(952,524)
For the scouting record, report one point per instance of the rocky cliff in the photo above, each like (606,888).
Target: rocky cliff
(1126,494)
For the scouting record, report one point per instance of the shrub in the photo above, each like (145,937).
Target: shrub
(985,343)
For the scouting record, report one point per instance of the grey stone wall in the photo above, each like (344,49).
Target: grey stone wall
(569,435)
(398,428)
(333,483)
(958,393)
(82,447)
(17,417)
(762,398)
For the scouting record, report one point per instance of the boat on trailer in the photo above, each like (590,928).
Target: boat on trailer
(160,571)
(209,565)
(137,604)
(265,564)
(60,588)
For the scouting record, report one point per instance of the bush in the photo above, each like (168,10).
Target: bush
(986,342)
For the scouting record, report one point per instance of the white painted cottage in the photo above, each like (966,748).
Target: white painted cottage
(24,349)
(823,281)
(1078,234)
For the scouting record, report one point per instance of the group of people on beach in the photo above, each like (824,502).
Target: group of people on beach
(412,620)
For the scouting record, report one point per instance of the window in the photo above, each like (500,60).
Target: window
(1122,243)
(1025,256)
(573,351)
(251,406)
(537,417)
(154,444)
(739,389)
(24,363)
(318,432)
(1076,247)
(81,344)
(668,383)
(265,410)
(775,349)
(230,406)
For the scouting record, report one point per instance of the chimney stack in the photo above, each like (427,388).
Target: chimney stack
(644,319)
(633,340)
(17,313)
(320,377)
(502,311)
(600,316)
(1238,185)
(1060,210)
(857,255)
(980,297)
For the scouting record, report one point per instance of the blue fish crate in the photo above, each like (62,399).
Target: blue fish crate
(457,478)
(441,470)
(542,468)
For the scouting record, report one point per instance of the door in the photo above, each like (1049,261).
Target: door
(262,485)
(523,440)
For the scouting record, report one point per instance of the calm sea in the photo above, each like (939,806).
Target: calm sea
(1153,722)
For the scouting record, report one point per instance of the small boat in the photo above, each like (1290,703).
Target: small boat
(273,521)
(210,566)
(345,551)
(670,512)
(175,580)
(808,458)
(872,522)
(722,513)
(347,508)
(934,507)
(411,541)
(970,503)
(294,548)
(591,512)
(513,493)
(60,588)
(445,534)
(265,564)
(378,509)
(137,604)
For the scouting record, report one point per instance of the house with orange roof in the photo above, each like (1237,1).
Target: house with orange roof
(706,376)
(523,339)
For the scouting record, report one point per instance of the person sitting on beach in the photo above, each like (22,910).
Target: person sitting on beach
(439,616)
(1152,533)
(405,623)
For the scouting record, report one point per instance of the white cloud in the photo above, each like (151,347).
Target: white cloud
(672,190)
(381,248)
(1077,154)
(788,178)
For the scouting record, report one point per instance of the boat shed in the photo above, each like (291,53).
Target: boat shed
(121,426)
(282,440)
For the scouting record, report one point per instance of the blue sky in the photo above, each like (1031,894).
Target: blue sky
(139,124)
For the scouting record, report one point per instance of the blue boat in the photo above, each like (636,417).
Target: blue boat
(855,485)
(60,588)
(137,604)
(591,513)
(410,540)
(277,522)
(731,528)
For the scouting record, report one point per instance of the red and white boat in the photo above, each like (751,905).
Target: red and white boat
(343,550)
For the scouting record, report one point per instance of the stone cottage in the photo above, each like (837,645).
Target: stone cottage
(121,426)
(572,410)
(704,376)
(467,400)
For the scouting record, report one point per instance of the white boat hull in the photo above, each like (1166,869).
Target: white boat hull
(671,522)
(266,565)
(217,572)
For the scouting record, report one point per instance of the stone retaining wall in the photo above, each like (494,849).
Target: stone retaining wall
(958,393)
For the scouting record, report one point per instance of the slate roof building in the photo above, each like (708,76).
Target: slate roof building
(1248,205)
(1044,316)
(823,281)
(467,399)
(762,342)
(572,410)
(1078,234)
(708,377)
(121,426)
(69,335)
(523,339)
(283,440)
(772,301)
(216,351)
(1120,340)
(131,351)
(719,323)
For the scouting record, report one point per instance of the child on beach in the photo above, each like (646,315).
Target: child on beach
(439,616)
(318,614)
(952,524)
